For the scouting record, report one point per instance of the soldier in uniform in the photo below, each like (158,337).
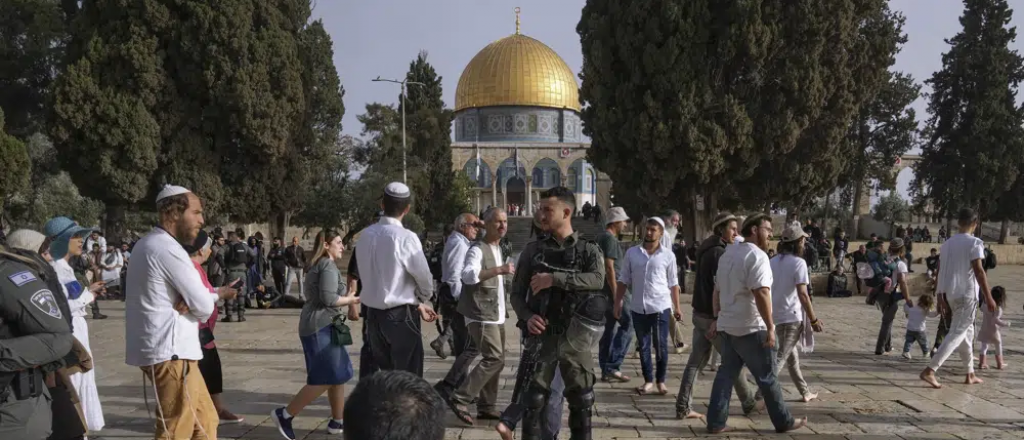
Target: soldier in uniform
(557,293)
(34,339)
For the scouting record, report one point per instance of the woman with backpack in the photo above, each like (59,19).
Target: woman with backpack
(889,303)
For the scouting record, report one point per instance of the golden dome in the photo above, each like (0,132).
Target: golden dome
(517,70)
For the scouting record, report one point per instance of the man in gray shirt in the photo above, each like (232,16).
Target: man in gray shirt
(614,342)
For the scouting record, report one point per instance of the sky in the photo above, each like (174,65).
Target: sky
(381,37)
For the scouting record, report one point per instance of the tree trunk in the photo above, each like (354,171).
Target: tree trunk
(279,226)
(1004,231)
(854,226)
(114,228)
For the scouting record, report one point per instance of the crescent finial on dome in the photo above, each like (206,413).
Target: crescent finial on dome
(517,20)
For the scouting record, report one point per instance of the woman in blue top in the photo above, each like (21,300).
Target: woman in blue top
(328,366)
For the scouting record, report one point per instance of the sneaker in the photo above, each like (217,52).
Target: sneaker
(906,356)
(335,427)
(284,425)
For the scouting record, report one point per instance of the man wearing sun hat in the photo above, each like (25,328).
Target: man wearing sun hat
(724,227)
(397,285)
(168,301)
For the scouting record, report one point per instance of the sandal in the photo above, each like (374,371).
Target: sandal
(460,412)
(643,390)
(617,377)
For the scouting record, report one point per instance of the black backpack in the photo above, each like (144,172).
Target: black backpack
(990,260)
(434,261)
(237,254)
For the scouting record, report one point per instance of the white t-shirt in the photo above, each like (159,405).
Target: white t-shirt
(916,318)
(742,268)
(956,277)
(788,272)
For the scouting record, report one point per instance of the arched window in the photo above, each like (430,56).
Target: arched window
(481,179)
(507,170)
(546,174)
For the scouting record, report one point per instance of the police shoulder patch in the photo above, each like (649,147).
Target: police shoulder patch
(45,302)
(22,278)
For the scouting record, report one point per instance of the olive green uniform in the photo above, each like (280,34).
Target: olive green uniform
(574,308)
(34,336)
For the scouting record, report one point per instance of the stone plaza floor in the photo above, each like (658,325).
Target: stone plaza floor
(861,395)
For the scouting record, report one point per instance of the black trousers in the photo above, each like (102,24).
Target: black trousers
(366,364)
(278,279)
(396,339)
(66,423)
(464,350)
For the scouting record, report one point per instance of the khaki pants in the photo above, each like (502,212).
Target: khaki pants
(484,378)
(185,410)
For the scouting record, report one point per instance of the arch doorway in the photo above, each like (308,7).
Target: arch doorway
(515,191)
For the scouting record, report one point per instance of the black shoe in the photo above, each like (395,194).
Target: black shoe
(227,319)
(241,319)
(99,316)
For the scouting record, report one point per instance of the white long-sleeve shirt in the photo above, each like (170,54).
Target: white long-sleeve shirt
(471,275)
(650,277)
(66,277)
(159,275)
(392,266)
(453,260)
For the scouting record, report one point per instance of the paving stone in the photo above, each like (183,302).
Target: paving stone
(860,395)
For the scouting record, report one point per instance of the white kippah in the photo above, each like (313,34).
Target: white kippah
(397,190)
(171,191)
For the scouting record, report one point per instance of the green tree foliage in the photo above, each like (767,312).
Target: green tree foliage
(734,100)
(14,164)
(429,137)
(974,146)
(326,203)
(891,209)
(32,34)
(108,102)
(237,100)
(50,191)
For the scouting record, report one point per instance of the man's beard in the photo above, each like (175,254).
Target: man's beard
(649,240)
(185,234)
(762,242)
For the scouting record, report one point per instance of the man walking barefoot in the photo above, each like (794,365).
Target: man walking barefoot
(961,271)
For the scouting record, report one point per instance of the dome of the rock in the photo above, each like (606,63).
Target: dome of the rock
(517,70)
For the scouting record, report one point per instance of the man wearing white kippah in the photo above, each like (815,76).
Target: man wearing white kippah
(397,285)
(162,317)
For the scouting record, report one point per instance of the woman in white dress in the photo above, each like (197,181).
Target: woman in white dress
(65,243)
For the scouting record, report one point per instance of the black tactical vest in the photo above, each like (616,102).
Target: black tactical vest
(558,305)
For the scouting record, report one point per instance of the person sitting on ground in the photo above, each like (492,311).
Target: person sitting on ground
(269,297)
(393,405)
(837,284)
(932,263)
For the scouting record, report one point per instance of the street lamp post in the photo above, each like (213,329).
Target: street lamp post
(402,83)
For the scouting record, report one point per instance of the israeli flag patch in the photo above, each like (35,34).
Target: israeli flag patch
(22,278)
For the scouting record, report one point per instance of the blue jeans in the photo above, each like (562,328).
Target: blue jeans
(748,350)
(615,342)
(646,326)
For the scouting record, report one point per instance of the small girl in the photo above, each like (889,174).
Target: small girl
(989,333)
(917,328)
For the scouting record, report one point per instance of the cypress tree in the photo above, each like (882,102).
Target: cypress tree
(974,145)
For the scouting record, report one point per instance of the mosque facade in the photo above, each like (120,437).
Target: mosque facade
(517,127)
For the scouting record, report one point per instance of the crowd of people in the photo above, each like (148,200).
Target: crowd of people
(578,305)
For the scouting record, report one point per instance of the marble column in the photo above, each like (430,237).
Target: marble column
(529,196)
(494,190)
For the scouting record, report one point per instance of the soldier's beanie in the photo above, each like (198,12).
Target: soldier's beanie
(26,239)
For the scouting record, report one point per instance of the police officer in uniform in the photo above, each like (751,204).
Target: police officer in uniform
(236,258)
(34,338)
(557,292)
